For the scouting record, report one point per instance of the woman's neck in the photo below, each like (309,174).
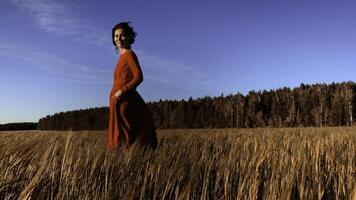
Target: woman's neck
(124,50)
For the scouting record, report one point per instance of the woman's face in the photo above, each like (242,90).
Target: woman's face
(121,39)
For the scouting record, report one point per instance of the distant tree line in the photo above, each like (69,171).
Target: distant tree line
(18,126)
(308,105)
(83,119)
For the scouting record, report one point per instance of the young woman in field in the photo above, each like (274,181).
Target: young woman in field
(130,119)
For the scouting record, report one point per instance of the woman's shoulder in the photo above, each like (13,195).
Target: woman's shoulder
(129,53)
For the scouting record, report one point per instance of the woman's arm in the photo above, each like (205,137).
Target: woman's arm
(136,72)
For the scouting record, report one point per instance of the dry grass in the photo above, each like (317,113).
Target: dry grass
(291,163)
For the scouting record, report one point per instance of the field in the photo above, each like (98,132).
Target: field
(285,163)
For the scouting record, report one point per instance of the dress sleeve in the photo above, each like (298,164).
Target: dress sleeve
(136,71)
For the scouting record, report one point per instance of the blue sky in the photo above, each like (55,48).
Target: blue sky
(57,55)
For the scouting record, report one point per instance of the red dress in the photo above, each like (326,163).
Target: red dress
(130,119)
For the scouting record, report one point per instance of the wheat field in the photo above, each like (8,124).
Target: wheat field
(284,163)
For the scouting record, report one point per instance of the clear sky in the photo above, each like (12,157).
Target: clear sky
(57,55)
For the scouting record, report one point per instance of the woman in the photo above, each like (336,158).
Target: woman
(130,119)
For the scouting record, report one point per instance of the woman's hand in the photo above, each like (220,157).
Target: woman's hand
(118,93)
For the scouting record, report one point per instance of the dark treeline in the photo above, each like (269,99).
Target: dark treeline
(308,105)
(18,126)
(87,119)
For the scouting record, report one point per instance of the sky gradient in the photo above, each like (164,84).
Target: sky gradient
(58,56)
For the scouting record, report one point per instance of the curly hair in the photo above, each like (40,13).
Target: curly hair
(127,29)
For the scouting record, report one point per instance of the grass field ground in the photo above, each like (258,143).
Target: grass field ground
(283,163)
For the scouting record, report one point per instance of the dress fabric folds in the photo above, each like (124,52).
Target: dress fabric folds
(130,119)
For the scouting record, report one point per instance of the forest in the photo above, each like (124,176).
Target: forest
(18,126)
(316,105)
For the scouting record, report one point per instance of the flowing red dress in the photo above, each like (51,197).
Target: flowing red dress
(130,119)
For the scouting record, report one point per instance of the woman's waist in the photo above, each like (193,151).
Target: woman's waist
(129,94)
(117,87)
